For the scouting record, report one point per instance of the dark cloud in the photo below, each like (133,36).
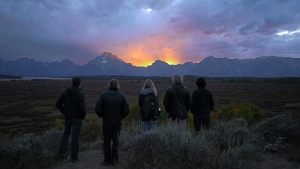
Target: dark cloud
(81,30)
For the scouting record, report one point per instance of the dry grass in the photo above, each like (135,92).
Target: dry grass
(29,106)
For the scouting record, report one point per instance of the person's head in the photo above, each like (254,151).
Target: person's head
(76,81)
(149,84)
(177,78)
(113,84)
(201,82)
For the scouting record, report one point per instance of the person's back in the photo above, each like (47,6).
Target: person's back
(73,101)
(113,107)
(177,100)
(203,104)
(71,104)
(113,104)
(149,106)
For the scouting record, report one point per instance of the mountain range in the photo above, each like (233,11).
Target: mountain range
(109,64)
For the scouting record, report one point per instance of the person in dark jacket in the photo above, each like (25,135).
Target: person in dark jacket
(148,89)
(112,107)
(203,104)
(177,101)
(71,104)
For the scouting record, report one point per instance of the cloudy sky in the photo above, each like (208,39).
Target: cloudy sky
(142,31)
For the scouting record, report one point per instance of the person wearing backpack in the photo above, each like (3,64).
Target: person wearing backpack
(149,106)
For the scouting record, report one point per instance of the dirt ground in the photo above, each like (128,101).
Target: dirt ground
(88,160)
(91,160)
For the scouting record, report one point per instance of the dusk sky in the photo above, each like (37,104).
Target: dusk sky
(142,31)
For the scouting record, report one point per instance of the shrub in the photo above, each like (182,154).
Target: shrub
(29,150)
(174,147)
(250,112)
(274,134)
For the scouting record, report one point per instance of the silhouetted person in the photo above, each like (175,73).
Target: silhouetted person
(113,107)
(203,103)
(177,101)
(149,106)
(71,104)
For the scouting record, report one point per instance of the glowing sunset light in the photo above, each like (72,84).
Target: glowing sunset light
(145,51)
(171,58)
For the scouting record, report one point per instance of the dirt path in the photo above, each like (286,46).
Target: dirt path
(88,160)
(91,160)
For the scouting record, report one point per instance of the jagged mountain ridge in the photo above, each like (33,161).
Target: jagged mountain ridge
(109,64)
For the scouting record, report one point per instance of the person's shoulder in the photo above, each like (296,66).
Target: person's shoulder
(185,88)
(120,94)
(81,92)
(196,90)
(104,93)
(170,88)
(207,90)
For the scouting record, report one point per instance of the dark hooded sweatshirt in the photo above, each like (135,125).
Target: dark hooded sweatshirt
(177,101)
(71,103)
(203,103)
(112,106)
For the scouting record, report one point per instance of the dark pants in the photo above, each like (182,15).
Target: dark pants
(111,133)
(76,123)
(200,122)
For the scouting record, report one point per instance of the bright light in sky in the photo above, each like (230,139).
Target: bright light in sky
(288,33)
(147,10)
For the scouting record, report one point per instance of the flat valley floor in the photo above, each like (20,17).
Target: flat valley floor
(29,106)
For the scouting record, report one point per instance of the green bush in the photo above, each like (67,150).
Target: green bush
(250,112)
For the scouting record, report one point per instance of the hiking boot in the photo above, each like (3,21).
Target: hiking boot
(74,159)
(115,161)
(107,163)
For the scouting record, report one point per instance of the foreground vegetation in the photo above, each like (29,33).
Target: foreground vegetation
(230,144)
(252,118)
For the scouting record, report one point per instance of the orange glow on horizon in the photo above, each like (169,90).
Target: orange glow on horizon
(145,53)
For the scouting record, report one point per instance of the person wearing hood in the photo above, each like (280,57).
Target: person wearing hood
(177,101)
(149,120)
(71,104)
(112,107)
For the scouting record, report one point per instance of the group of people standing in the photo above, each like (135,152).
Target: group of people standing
(113,107)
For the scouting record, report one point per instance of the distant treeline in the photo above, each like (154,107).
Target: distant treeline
(193,78)
(9,77)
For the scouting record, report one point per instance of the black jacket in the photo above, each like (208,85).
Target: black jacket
(112,106)
(203,103)
(177,101)
(71,103)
